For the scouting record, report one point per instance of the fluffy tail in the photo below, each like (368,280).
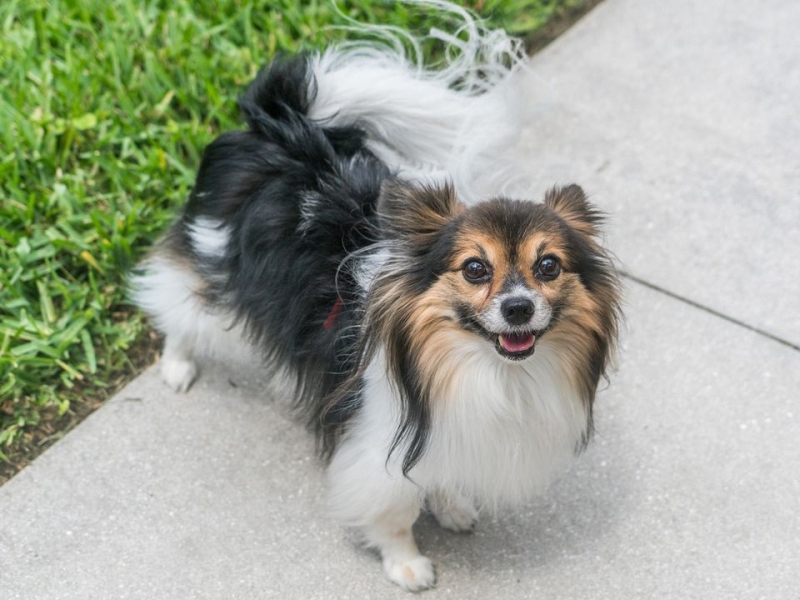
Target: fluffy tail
(459,122)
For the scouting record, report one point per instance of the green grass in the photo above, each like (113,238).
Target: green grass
(105,107)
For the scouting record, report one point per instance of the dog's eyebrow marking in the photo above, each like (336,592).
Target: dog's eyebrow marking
(481,254)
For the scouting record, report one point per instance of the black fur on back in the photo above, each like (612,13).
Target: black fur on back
(297,198)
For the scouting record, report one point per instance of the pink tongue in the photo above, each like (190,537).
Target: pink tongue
(516,342)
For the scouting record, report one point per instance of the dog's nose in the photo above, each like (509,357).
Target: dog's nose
(517,311)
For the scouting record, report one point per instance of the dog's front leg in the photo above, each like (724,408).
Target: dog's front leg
(403,564)
(453,511)
(371,495)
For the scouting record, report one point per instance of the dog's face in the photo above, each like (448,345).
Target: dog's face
(507,271)
(507,275)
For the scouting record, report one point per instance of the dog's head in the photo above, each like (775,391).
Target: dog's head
(506,271)
(493,279)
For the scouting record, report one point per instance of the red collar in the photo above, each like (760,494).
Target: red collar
(333,315)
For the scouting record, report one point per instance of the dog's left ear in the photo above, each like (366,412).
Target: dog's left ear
(570,204)
(409,211)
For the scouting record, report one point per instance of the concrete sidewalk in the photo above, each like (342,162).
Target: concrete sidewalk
(682,121)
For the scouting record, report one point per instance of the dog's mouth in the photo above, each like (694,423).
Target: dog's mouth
(516,345)
(513,345)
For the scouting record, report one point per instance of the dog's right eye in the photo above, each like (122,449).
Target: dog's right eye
(475,271)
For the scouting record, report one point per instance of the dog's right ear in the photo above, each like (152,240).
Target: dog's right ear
(415,211)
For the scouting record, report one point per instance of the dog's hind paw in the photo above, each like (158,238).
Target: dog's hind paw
(179,374)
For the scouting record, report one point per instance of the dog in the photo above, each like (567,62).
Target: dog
(445,348)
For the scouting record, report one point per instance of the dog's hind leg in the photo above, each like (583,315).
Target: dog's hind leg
(169,291)
(178,367)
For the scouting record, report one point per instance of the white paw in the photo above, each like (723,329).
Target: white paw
(413,575)
(455,515)
(178,373)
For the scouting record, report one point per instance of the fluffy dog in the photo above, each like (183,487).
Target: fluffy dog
(446,347)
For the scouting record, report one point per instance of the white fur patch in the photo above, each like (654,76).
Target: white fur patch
(371,265)
(209,237)
(309,205)
(492,318)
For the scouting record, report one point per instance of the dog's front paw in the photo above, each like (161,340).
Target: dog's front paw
(457,514)
(412,575)
(178,373)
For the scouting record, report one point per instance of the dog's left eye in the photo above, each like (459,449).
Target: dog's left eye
(475,271)
(548,268)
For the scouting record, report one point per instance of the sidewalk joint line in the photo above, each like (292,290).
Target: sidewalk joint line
(709,310)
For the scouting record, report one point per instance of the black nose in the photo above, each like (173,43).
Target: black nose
(517,311)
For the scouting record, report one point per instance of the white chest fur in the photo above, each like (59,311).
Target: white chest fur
(500,430)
